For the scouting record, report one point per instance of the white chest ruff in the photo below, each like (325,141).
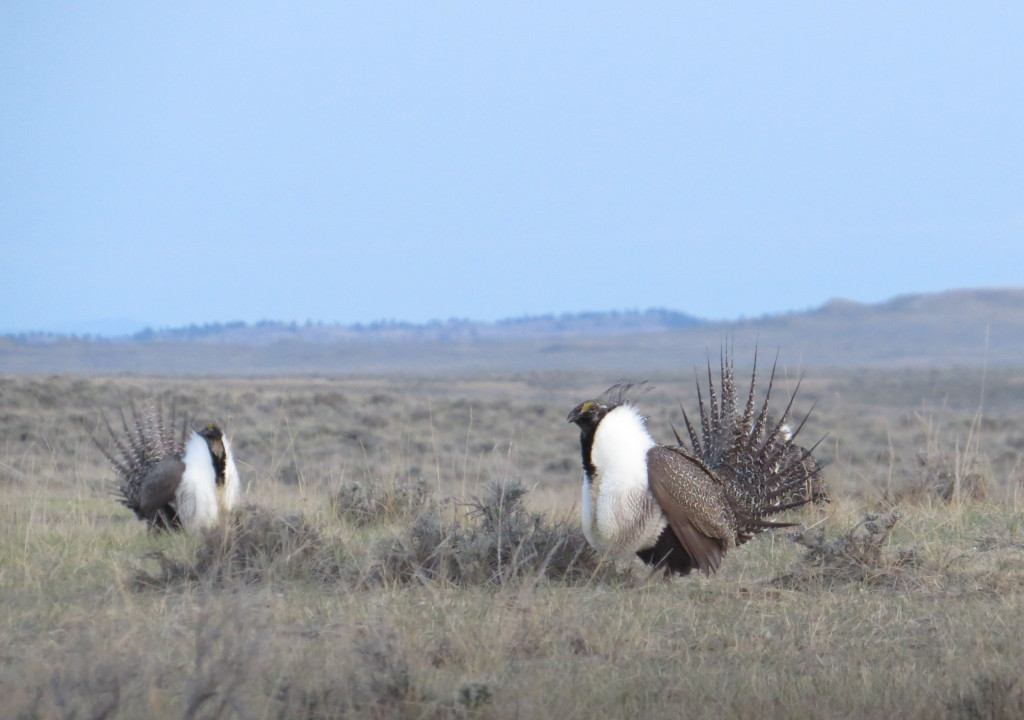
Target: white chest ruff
(196,497)
(232,489)
(618,513)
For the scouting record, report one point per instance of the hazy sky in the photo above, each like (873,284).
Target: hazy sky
(172,163)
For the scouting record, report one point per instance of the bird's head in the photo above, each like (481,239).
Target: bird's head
(214,437)
(588,414)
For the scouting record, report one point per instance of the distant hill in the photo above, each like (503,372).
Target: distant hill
(963,327)
(268,331)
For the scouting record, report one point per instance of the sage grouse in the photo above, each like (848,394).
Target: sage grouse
(680,508)
(171,481)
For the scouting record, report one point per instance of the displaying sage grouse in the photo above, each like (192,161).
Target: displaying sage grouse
(173,481)
(680,508)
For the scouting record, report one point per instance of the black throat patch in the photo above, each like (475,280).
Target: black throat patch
(587,433)
(588,416)
(218,453)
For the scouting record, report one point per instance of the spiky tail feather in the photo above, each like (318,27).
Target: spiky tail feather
(755,456)
(143,443)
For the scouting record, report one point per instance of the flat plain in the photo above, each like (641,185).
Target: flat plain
(387,563)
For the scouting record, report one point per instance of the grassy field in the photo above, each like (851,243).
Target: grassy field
(387,564)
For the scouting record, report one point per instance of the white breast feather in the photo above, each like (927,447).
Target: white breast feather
(587,512)
(612,516)
(232,490)
(196,497)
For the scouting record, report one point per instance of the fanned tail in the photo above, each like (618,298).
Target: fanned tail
(755,456)
(145,439)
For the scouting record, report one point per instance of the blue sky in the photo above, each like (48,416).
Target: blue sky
(172,163)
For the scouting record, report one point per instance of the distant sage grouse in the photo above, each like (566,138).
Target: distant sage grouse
(681,508)
(185,481)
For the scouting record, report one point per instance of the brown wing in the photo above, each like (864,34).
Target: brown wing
(158,487)
(694,504)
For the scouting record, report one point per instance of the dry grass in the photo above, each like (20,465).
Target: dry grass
(253,545)
(858,555)
(497,540)
(441,589)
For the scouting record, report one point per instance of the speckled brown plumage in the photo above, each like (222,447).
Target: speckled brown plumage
(762,469)
(147,460)
(741,467)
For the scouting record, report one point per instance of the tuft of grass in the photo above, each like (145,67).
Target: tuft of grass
(952,471)
(75,689)
(496,541)
(254,545)
(475,694)
(366,504)
(990,697)
(857,555)
(379,678)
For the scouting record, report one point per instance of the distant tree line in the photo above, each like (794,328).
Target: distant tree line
(452,328)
